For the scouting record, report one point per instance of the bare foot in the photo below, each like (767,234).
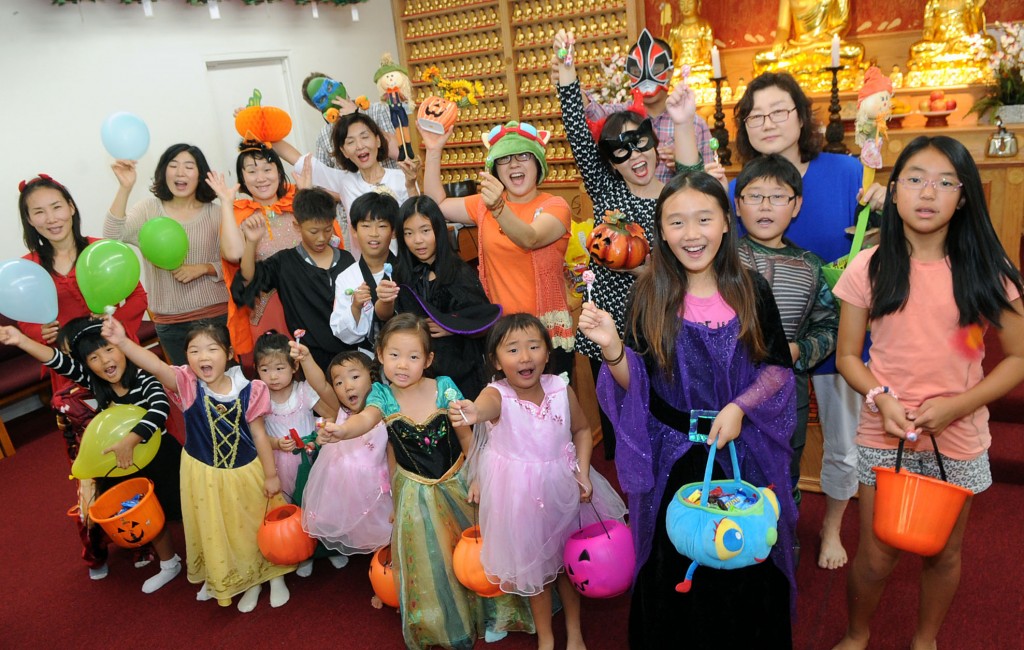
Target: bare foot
(832,555)
(549,645)
(376,603)
(851,644)
(917,644)
(575,644)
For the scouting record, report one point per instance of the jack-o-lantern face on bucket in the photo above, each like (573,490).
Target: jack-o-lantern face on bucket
(599,559)
(618,244)
(131,531)
(437,114)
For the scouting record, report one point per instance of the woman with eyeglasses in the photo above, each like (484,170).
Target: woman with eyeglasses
(774,117)
(618,173)
(522,232)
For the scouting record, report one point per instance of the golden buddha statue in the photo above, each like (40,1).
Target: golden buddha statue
(691,41)
(803,44)
(944,56)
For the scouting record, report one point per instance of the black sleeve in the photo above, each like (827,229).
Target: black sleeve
(771,324)
(264,279)
(158,408)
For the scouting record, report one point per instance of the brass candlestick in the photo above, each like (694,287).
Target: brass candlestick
(834,131)
(720,132)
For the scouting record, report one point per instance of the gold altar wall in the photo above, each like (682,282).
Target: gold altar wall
(869,17)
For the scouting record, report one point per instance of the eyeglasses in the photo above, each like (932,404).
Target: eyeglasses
(505,160)
(917,184)
(779,116)
(774,199)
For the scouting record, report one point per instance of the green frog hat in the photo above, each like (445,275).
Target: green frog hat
(517,137)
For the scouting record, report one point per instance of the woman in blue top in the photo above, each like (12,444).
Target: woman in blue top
(774,116)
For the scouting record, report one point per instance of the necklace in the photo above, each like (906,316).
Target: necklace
(362,174)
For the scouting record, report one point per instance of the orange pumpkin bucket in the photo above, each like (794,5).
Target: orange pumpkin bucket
(383,578)
(281,538)
(468,567)
(138,525)
(916,513)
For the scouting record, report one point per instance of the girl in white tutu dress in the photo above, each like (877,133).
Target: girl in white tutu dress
(347,503)
(533,472)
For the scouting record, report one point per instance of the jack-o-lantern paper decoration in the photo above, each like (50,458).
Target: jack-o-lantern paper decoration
(264,123)
(383,578)
(467,565)
(281,538)
(437,114)
(617,243)
(600,558)
(127,525)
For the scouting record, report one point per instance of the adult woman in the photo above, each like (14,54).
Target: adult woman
(516,223)
(774,116)
(52,229)
(618,173)
(195,290)
(359,147)
(261,176)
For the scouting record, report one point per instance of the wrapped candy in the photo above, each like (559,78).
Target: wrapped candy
(588,279)
(387,270)
(297,335)
(451,395)
(713,145)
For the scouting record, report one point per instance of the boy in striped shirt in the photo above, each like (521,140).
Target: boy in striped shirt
(768,197)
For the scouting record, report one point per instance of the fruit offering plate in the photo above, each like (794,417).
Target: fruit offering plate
(937,118)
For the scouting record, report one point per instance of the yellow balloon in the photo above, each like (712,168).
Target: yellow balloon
(107,428)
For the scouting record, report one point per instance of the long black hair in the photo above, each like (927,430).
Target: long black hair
(80,337)
(977,259)
(447,264)
(34,241)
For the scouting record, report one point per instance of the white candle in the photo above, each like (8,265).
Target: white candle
(716,63)
(835,50)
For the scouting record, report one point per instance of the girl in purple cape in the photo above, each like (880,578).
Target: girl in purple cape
(701,333)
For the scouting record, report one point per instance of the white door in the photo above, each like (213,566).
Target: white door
(232,79)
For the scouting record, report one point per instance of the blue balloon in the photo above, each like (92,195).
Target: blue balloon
(125,136)
(27,292)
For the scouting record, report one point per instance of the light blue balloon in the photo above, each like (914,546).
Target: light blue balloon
(125,136)
(27,292)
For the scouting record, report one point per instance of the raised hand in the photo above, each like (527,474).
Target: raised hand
(304,181)
(124,170)
(297,351)
(219,185)
(113,331)
(10,335)
(491,190)
(387,291)
(433,141)
(254,227)
(681,105)
(597,325)
(463,412)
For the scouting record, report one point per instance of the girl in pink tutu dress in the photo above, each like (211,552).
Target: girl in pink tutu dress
(533,473)
(347,503)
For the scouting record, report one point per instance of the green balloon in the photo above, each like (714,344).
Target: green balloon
(107,272)
(163,242)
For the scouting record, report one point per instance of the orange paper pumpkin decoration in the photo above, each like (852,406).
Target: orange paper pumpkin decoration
(617,243)
(383,577)
(281,538)
(263,123)
(468,567)
(437,114)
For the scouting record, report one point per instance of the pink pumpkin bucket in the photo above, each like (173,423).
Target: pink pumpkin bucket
(600,558)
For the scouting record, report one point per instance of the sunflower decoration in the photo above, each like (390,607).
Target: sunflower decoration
(461,92)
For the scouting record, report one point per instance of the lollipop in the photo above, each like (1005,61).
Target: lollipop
(387,270)
(350,291)
(912,436)
(451,395)
(588,278)
(298,334)
(109,310)
(713,145)
(566,54)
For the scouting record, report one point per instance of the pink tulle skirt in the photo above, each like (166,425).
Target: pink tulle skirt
(287,468)
(347,501)
(527,512)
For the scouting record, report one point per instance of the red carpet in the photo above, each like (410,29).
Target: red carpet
(49,600)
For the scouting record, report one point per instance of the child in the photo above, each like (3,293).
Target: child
(538,451)
(703,333)
(347,502)
(291,402)
(360,147)
(227,470)
(440,286)
(374,217)
(768,197)
(304,276)
(431,500)
(928,292)
(97,365)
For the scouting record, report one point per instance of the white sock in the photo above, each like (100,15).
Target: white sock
(493,636)
(99,573)
(305,568)
(339,561)
(279,593)
(168,570)
(203,594)
(247,602)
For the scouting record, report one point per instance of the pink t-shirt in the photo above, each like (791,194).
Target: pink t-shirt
(185,396)
(921,352)
(712,312)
